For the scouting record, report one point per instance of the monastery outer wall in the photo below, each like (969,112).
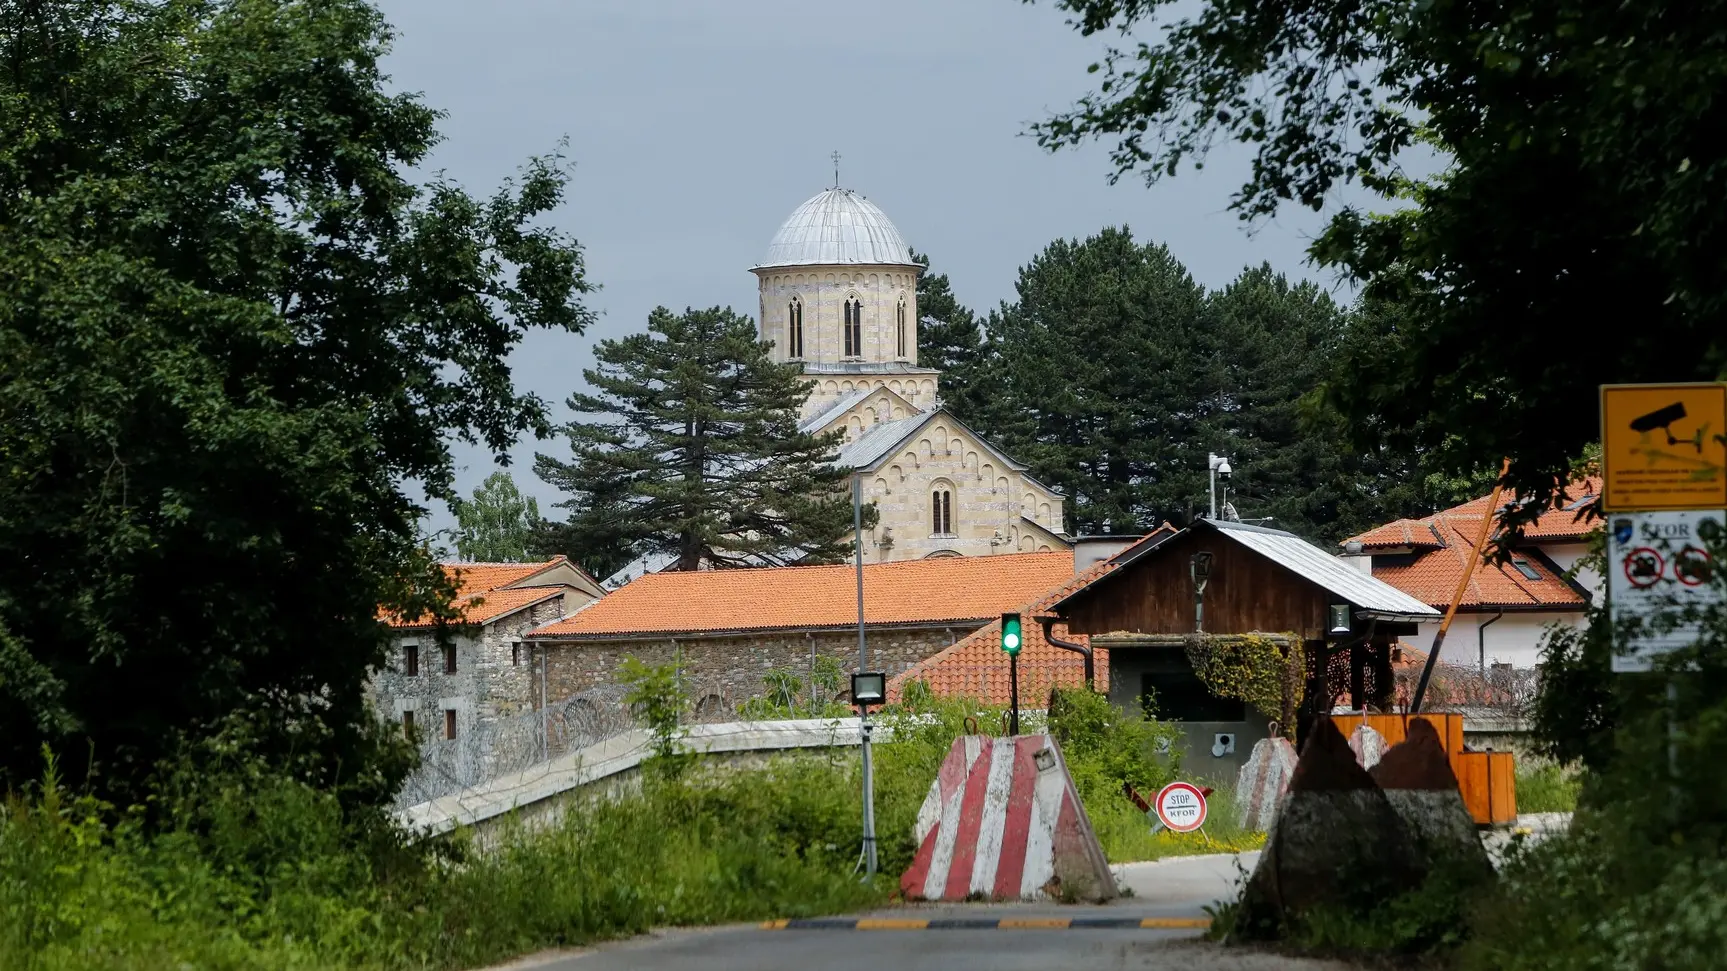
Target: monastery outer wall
(720,673)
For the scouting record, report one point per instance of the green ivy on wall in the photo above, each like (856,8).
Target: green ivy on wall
(1253,668)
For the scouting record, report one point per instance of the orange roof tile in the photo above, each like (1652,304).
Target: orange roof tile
(1441,545)
(1431,577)
(975,667)
(489,605)
(474,579)
(776,598)
(1568,519)
(1416,533)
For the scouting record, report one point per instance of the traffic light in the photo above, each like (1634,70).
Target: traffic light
(1010,634)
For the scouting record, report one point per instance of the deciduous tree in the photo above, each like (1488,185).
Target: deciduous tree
(231,332)
(1576,237)
(495,525)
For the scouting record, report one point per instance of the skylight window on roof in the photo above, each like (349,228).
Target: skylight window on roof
(1524,568)
(1579,504)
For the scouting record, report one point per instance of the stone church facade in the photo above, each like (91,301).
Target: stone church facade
(839,297)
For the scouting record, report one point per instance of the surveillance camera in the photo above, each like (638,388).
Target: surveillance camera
(1223,468)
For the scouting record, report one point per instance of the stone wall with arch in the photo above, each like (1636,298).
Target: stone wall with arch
(988,501)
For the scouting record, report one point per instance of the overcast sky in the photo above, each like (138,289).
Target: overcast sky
(697,126)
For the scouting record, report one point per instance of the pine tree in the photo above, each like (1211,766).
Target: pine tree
(948,337)
(494,526)
(1095,381)
(1272,344)
(697,452)
(1114,375)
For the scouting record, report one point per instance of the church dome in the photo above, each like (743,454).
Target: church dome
(837,226)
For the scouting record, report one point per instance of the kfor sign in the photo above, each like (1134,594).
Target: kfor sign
(1181,807)
(1659,567)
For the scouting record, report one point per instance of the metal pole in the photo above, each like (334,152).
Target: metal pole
(857,558)
(1213,465)
(1013,691)
(1462,586)
(869,800)
(863,665)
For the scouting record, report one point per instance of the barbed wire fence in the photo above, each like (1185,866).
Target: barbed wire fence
(517,742)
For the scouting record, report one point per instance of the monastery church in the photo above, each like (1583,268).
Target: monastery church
(839,296)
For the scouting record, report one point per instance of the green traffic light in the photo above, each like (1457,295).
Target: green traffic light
(1010,633)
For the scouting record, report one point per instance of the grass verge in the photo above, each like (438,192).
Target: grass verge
(240,867)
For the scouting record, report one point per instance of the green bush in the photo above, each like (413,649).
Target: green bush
(236,864)
(1546,787)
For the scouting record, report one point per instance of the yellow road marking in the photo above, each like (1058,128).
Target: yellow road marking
(775,925)
(1172,922)
(1032,922)
(892,924)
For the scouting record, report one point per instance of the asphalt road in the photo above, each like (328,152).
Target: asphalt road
(1165,892)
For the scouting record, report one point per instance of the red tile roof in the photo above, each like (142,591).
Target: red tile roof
(472,578)
(975,667)
(931,591)
(1417,533)
(1442,542)
(1432,579)
(487,591)
(1569,520)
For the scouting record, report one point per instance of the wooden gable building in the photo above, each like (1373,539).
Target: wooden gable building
(1221,578)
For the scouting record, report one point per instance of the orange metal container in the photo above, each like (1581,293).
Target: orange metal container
(1486,780)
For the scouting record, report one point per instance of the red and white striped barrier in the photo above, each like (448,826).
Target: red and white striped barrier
(1260,785)
(1002,821)
(1367,744)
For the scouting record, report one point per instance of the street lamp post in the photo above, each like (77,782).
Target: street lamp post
(867,687)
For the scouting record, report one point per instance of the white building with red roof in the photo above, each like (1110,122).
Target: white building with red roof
(1509,603)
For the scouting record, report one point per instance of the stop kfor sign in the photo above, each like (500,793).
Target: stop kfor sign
(1181,807)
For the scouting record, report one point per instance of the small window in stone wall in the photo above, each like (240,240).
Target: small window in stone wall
(449,659)
(854,327)
(449,723)
(411,660)
(941,512)
(515,653)
(408,724)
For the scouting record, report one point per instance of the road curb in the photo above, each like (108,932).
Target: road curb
(984,923)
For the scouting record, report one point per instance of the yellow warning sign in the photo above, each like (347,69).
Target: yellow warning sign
(1663,446)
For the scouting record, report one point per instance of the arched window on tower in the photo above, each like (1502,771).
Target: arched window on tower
(899,325)
(853,327)
(795,328)
(941,512)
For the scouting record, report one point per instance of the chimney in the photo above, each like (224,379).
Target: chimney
(1354,555)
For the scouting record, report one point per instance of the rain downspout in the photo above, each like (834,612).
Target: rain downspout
(1481,638)
(1081,649)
